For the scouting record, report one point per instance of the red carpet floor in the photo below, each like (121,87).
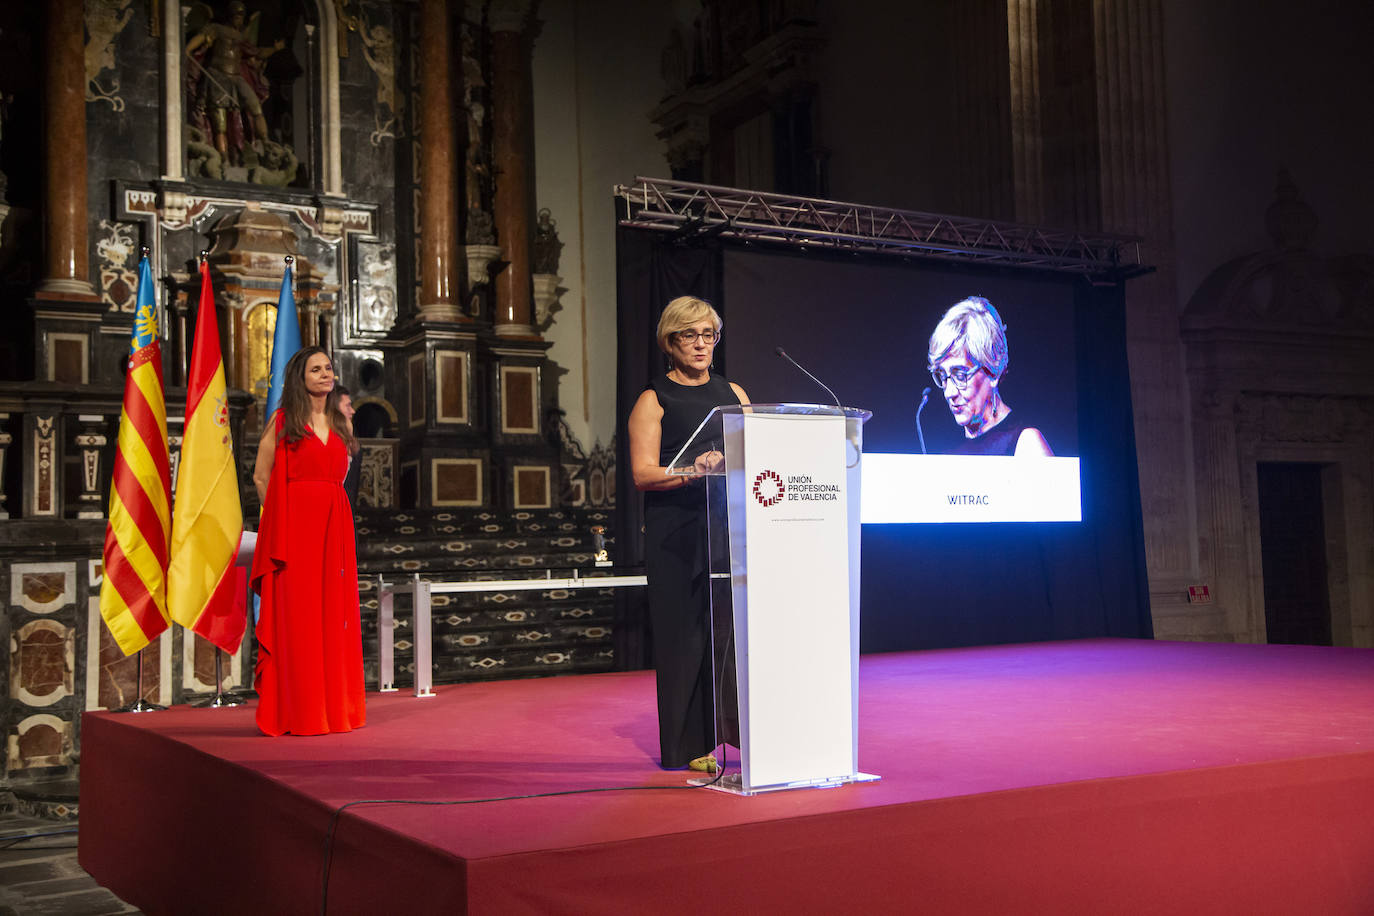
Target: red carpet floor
(1114,776)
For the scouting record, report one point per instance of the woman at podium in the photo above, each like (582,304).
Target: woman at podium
(664,418)
(967,358)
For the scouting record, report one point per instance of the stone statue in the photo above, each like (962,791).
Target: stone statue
(476,169)
(201,157)
(276,166)
(481,228)
(226,80)
(546,244)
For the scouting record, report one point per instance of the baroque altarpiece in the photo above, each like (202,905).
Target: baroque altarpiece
(379,146)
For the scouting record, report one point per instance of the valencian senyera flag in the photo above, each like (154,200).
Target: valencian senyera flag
(286,340)
(133,593)
(203,584)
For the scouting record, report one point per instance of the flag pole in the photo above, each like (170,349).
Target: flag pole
(139,704)
(220,699)
(145,357)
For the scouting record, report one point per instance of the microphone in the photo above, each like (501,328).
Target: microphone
(783,353)
(925,396)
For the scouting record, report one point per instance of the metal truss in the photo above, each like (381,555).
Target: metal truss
(700,210)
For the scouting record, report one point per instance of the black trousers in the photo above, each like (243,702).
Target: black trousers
(675,561)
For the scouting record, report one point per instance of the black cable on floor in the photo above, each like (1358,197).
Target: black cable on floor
(11,841)
(338,812)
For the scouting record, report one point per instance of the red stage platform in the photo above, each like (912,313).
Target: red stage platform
(1094,776)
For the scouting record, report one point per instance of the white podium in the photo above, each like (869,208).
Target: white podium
(783,528)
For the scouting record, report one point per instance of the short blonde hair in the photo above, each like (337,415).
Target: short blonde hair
(974,324)
(681,314)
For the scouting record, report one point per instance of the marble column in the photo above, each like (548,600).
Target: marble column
(512,149)
(982,95)
(440,224)
(1136,199)
(66,267)
(1027,129)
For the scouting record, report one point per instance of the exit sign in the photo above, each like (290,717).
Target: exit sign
(1199,594)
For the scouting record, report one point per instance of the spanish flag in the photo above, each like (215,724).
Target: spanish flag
(133,593)
(205,591)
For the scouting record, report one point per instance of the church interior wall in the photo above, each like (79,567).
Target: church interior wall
(1251,87)
(595,80)
(885,106)
(1255,86)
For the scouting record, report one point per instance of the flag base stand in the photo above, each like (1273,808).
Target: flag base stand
(220,699)
(140,704)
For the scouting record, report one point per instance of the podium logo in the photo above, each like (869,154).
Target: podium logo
(768,488)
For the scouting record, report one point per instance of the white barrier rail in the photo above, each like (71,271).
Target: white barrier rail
(423,591)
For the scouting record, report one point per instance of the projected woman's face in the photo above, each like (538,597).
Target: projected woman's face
(970,401)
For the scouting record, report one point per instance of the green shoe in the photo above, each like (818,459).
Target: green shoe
(704,764)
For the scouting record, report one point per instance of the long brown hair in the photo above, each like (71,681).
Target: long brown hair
(295,402)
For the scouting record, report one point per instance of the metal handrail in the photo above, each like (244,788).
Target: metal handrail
(424,590)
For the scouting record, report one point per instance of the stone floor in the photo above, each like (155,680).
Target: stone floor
(39,875)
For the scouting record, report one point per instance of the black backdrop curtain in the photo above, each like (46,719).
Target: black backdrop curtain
(930,586)
(652,268)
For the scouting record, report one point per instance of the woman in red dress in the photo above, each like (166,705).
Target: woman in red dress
(310,652)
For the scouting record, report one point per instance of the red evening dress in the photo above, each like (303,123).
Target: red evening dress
(309,673)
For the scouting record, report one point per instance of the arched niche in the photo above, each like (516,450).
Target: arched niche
(321,104)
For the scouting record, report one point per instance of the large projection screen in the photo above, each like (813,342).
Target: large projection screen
(862,324)
(863,328)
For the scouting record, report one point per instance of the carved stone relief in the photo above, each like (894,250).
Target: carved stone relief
(376,484)
(379,49)
(1303,418)
(375,267)
(118,280)
(105,19)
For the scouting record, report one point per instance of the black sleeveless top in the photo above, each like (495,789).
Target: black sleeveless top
(684,407)
(1000,440)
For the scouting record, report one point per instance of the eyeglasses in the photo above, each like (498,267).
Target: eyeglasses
(690,336)
(960,375)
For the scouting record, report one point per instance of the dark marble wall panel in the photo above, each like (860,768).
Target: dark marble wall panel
(372,105)
(123,111)
(21,180)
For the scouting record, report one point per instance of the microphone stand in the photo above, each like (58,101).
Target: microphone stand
(925,396)
(783,353)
